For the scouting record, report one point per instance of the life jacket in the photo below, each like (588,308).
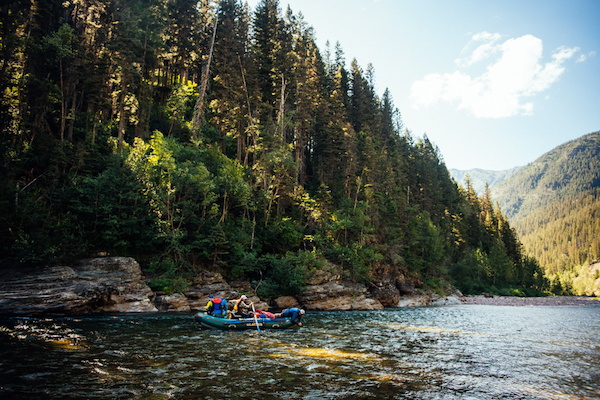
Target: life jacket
(236,306)
(220,307)
(293,313)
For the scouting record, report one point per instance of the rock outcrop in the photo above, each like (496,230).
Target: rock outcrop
(109,284)
(116,284)
(326,290)
(173,302)
(393,288)
(209,283)
(286,302)
(214,283)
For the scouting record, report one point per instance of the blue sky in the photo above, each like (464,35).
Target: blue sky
(494,84)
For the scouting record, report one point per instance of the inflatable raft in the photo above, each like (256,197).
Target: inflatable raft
(210,322)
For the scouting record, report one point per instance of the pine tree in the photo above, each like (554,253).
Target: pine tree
(229,97)
(267,52)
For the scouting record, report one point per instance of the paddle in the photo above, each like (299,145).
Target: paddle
(255,320)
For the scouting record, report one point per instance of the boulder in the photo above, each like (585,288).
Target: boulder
(428,298)
(214,283)
(286,302)
(107,284)
(338,296)
(391,283)
(174,302)
(329,273)
(417,300)
(116,284)
(451,300)
(387,293)
(208,283)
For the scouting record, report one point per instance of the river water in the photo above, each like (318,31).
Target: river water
(451,352)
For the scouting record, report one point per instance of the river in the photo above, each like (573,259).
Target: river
(451,352)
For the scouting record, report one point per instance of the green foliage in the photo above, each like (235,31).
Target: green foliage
(437,284)
(427,248)
(168,276)
(284,276)
(355,260)
(554,204)
(170,286)
(469,274)
(295,161)
(565,234)
(563,172)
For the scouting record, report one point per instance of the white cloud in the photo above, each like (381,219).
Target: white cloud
(482,51)
(514,73)
(584,57)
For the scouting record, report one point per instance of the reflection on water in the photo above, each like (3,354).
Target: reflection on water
(454,352)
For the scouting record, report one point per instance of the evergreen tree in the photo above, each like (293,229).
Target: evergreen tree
(294,161)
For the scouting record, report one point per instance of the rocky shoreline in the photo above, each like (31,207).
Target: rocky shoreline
(531,301)
(117,284)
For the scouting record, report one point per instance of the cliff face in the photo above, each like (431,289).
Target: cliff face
(326,290)
(390,285)
(116,284)
(111,284)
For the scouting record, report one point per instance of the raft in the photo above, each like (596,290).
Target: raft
(210,322)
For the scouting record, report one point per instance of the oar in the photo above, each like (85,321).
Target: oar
(255,320)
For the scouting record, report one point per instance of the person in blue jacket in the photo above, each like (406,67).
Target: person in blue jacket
(294,313)
(217,306)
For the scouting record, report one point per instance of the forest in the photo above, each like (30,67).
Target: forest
(565,237)
(553,204)
(198,135)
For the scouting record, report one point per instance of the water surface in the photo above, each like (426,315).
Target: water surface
(453,352)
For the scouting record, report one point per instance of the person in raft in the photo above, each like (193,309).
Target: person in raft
(217,306)
(294,313)
(240,308)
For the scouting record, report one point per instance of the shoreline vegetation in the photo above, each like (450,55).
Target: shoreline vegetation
(268,160)
(531,301)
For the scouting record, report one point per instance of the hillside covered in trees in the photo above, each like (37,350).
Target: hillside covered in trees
(201,135)
(554,205)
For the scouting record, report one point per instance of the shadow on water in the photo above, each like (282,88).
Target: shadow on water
(455,352)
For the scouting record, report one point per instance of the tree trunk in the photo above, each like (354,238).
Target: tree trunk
(122,116)
(205,74)
(72,122)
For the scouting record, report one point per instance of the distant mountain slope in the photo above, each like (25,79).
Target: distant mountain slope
(567,170)
(564,235)
(554,206)
(479,177)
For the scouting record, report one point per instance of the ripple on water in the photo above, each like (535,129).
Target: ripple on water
(458,352)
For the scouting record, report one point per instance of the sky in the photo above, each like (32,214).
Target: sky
(493,84)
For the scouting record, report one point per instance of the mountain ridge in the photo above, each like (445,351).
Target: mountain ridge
(479,177)
(553,205)
(565,171)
